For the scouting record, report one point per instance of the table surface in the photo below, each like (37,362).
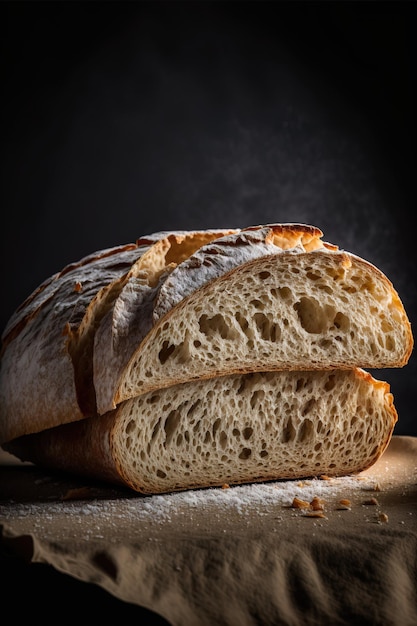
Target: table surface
(239,555)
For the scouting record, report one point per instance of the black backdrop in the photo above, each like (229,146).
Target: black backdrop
(121,119)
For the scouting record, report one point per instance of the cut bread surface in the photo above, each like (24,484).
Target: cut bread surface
(252,427)
(290,310)
(235,429)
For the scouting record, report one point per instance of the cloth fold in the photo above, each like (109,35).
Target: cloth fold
(243,555)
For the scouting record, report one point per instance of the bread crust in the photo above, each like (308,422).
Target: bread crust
(70,348)
(46,360)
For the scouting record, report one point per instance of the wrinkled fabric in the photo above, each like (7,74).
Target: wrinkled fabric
(242,555)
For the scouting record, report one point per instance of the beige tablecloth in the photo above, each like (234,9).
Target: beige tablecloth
(235,556)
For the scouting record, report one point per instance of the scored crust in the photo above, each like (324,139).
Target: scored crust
(73,346)
(46,375)
(46,360)
(140,306)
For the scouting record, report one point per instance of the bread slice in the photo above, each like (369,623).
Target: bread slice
(186,306)
(289,310)
(234,429)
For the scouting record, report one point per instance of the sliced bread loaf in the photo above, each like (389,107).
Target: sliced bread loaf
(235,429)
(175,307)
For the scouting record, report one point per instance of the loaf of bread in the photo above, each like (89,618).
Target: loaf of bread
(190,359)
(227,430)
(175,307)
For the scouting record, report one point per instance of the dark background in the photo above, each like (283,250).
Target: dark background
(121,119)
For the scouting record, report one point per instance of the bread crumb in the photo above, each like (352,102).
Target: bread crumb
(371,501)
(78,286)
(297,503)
(344,505)
(383,518)
(315,514)
(324,477)
(225,486)
(317,504)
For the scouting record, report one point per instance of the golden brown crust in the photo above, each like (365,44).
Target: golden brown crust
(46,376)
(78,448)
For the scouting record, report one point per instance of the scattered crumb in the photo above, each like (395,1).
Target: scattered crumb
(317,504)
(225,486)
(345,502)
(383,518)
(315,514)
(371,501)
(78,286)
(344,505)
(297,503)
(324,477)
